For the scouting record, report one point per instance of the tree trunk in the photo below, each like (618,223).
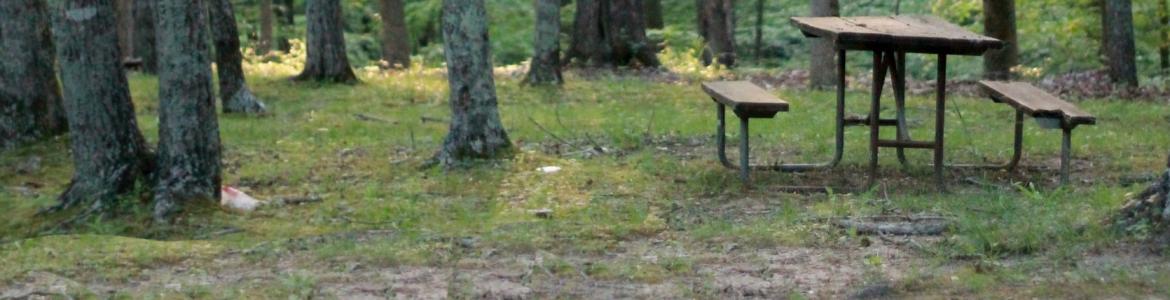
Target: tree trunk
(546,62)
(822,71)
(717,28)
(233,88)
(476,130)
(265,43)
(144,36)
(395,38)
(653,14)
(109,153)
(126,27)
(611,32)
(1118,38)
(759,41)
(290,12)
(1164,34)
(188,132)
(999,21)
(30,99)
(326,60)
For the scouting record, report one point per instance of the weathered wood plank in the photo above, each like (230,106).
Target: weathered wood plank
(918,34)
(1036,102)
(745,99)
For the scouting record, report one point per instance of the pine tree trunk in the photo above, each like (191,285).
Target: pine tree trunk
(290,12)
(999,21)
(717,28)
(626,30)
(654,14)
(476,130)
(1119,42)
(144,35)
(1164,34)
(588,46)
(822,71)
(189,145)
(233,88)
(266,39)
(546,63)
(30,99)
(611,33)
(109,153)
(759,40)
(126,27)
(395,38)
(327,60)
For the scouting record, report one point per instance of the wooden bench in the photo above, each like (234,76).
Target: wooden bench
(747,101)
(1048,110)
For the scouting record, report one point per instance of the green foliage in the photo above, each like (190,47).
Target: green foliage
(1056,36)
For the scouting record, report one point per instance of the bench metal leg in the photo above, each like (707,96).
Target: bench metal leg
(1017,150)
(1065,153)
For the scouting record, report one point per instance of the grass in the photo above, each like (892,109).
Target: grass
(656,189)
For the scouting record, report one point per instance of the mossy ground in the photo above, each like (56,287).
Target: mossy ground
(653,214)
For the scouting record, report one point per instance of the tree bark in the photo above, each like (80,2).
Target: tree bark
(1118,38)
(290,12)
(30,98)
(266,38)
(395,38)
(476,130)
(999,21)
(326,60)
(233,88)
(1164,35)
(126,27)
(611,33)
(717,28)
(109,153)
(759,40)
(654,14)
(188,132)
(546,62)
(144,35)
(822,71)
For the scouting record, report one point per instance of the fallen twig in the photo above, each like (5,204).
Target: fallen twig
(368,118)
(299,200)
(425,119)
(546,131)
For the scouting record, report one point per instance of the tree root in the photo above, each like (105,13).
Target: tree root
(245,102)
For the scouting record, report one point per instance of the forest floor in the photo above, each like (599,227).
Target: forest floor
(639,209)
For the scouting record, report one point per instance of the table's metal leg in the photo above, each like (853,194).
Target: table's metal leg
(1065,153)
(899,67)
(940,121)
(839,151)
(879,74)
(721,135)
(744,164)
(1018,143)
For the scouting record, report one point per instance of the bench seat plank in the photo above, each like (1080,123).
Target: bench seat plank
(1036,102)
(745,98)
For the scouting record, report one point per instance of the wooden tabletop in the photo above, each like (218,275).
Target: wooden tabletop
(917,34)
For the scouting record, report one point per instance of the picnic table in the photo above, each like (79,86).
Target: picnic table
(890,38)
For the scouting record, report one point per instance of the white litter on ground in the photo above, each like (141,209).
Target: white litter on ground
(549,169)
(235,200)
